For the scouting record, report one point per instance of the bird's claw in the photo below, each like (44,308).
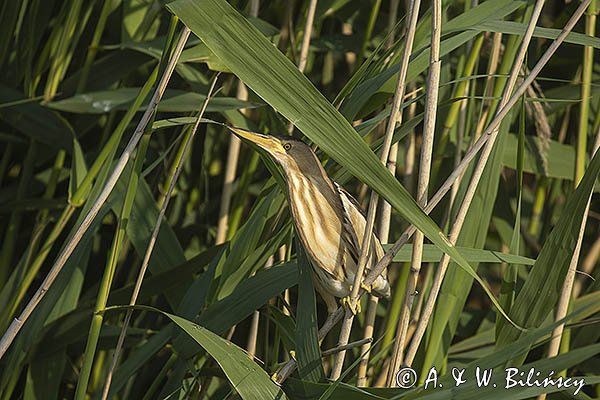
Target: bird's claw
(347,301)
(293,354)
(274,377)
(368,288)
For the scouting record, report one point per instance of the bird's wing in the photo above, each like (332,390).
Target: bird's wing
(354,229)
(355,223)
(353,220)
(347,197)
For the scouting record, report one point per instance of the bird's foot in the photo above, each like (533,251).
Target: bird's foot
(347,301)
(274,377)
(293,355)
(368,288)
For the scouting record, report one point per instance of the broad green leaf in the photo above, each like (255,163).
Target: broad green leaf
(456,286)
(308,351)
(43,377)
(497,361)
(196,296)
(61,298)
(488,10)
(563,96)
(171,122)
(286,327)
(247,242)
(107,70)
(359,103)
(122,98)
(140,357)
(248,296)
(248,379)
(275,78)
(253,262)
(167,253)
(195,53)
(138,18)
(33,205)
(178,277)
(586,334)
(541,290)
(561,157)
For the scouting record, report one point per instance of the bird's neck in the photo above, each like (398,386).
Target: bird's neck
(299,180)
(314,200)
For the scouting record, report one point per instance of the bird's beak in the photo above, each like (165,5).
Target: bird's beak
(269,143)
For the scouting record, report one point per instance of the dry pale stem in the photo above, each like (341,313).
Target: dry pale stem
(385,216)
(469,156)
(567,290)
(422,187)
(152,242)
(395,118)
(17,324)
(363,365)
(477,173)
(308,28)
(474,149)
(587,266)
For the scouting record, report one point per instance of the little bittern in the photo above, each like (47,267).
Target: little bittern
(328,220)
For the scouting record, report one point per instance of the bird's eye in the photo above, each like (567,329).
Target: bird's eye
(287,146)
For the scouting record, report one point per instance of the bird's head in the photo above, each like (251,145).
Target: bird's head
(293,155)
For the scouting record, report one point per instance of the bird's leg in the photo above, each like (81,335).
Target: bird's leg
(332,307)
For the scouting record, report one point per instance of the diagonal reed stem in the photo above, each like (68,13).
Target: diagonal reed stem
(433,82)
(447,185)
(471,189)
(567,293)
(118,239)
(64,255)
(478,145)
(383,228)
(394,120)
(152,242)
(308,28)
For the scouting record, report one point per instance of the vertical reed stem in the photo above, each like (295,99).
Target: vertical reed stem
(395,118)
(232,158)
(468,157)
(433,82)
(385,217)
(477,173)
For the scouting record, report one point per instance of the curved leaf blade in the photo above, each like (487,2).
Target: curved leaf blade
(252,57)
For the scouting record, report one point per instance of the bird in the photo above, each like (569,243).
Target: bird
(328,220)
